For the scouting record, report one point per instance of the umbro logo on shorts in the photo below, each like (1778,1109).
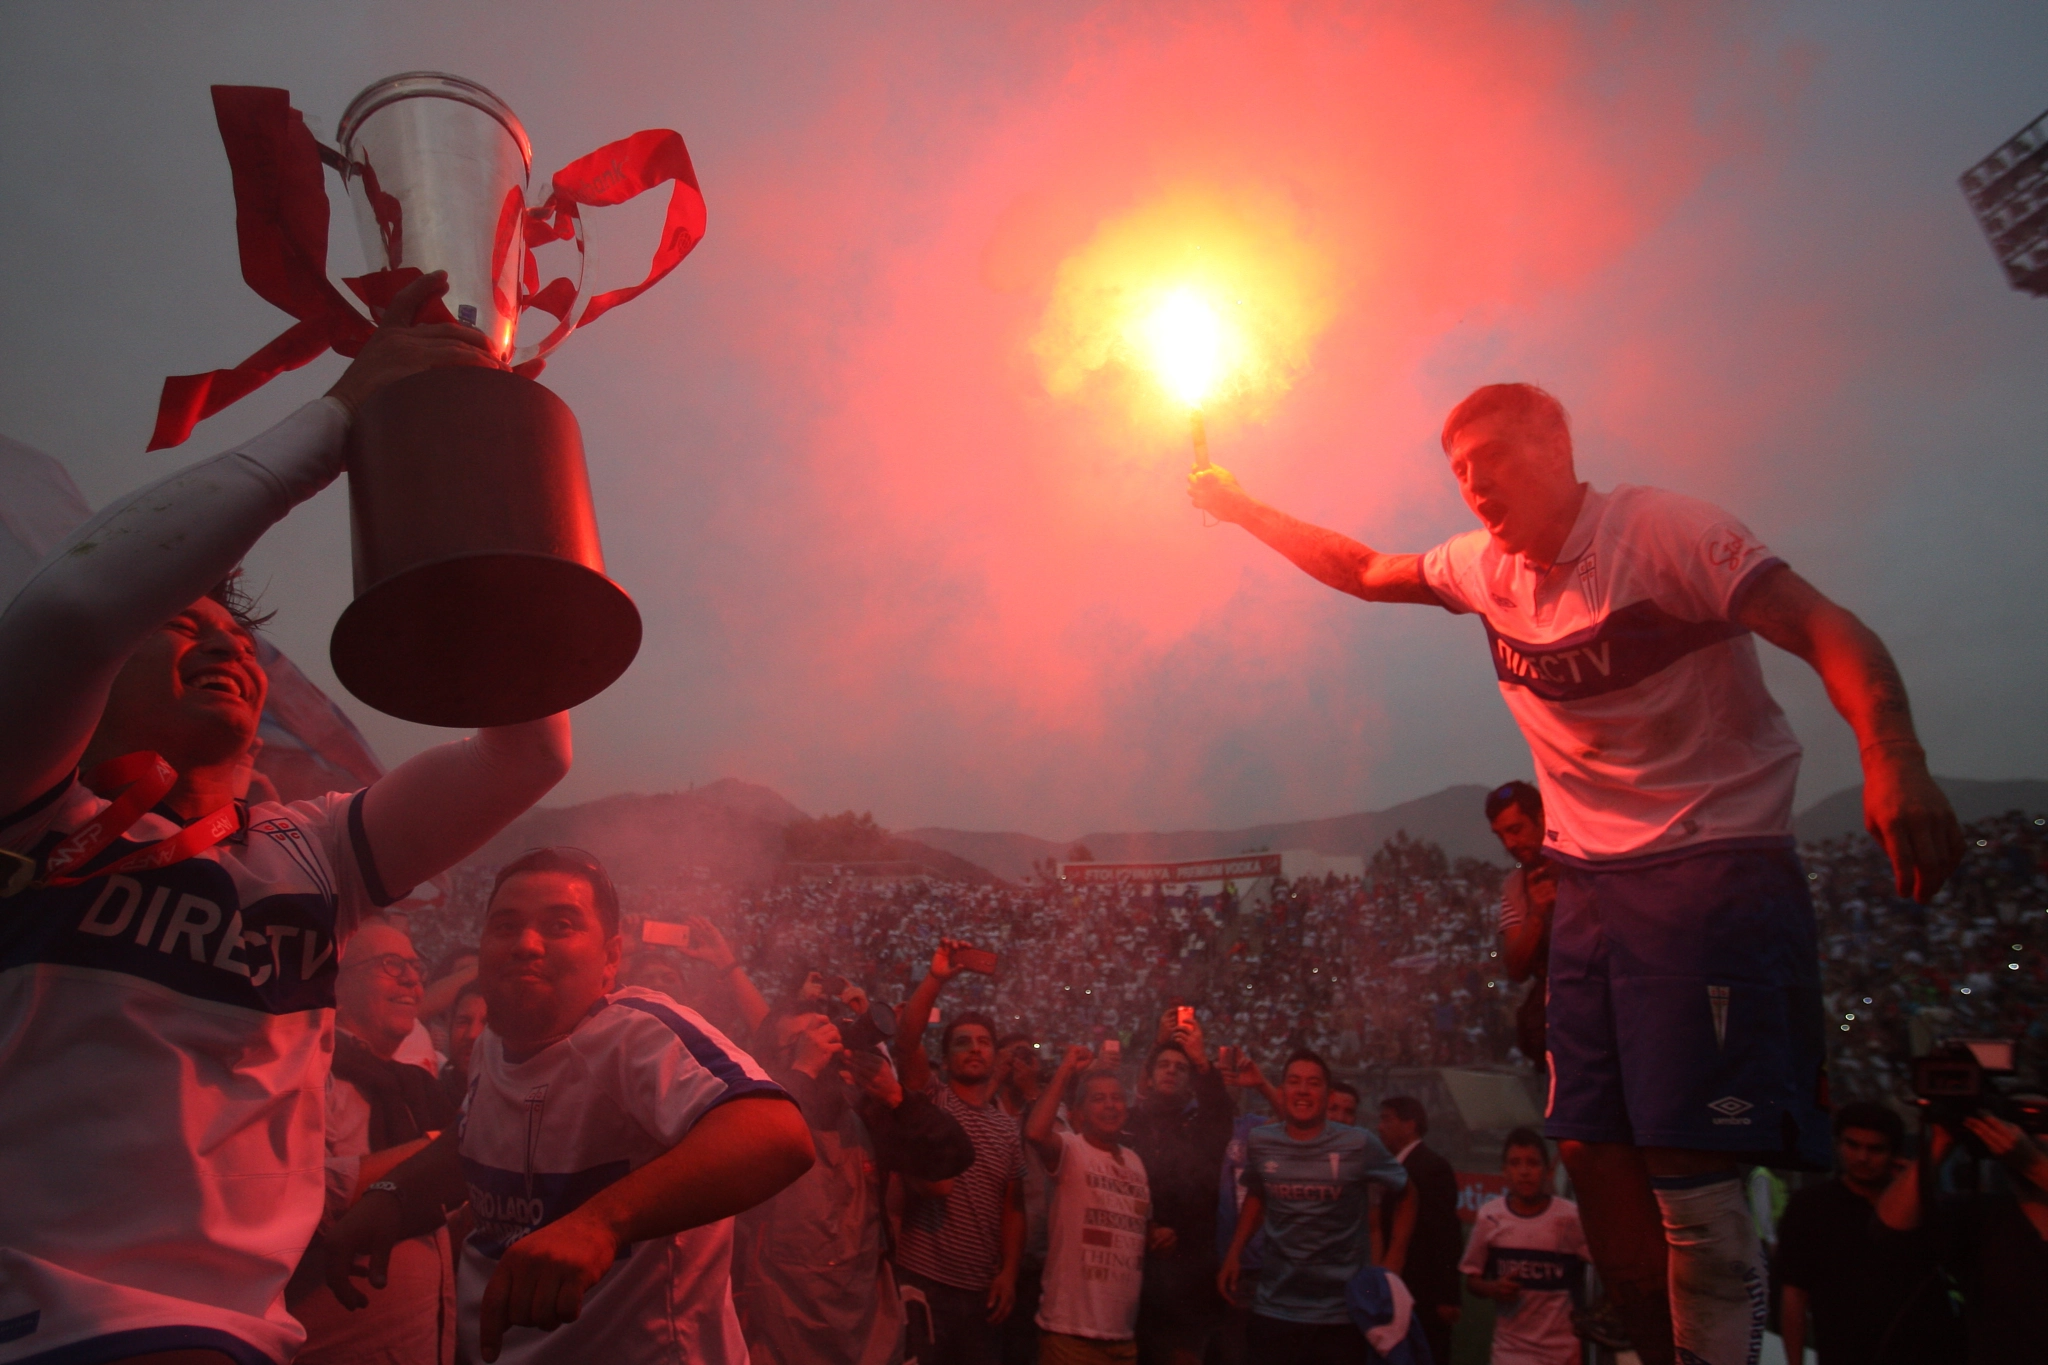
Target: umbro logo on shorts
(1731,1108)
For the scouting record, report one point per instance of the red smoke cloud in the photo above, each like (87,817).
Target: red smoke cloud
(991,605)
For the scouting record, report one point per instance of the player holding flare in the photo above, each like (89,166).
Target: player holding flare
(1685,1030)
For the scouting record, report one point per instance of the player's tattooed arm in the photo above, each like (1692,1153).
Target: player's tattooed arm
(1327,556)
(1903,808)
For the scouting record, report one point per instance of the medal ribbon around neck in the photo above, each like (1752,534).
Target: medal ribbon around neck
(144,779)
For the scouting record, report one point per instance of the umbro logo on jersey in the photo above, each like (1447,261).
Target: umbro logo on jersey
(1731,1109)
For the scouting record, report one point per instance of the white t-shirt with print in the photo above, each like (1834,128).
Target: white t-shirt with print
(1642,701)
(540,1137)
(1095,1248)
(1545,1254)
(165,1041)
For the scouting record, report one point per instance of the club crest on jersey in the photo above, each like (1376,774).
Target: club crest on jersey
(287,835)
(1727,548)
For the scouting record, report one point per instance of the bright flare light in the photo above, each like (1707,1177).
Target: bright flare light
(1196,300)
(1184,344)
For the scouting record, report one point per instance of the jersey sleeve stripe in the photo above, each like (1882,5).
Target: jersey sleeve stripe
(40,804)
(1750,582)
(366,862)
(709,1055)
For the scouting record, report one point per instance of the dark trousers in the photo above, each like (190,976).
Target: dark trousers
(1179,1310)
(1437,1333)
(1269,1341)
(946,1325)
(1019,1331)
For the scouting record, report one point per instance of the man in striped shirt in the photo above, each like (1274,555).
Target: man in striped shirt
(957,1256)
(1515,814)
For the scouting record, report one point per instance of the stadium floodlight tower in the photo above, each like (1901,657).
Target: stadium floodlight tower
(2008,191)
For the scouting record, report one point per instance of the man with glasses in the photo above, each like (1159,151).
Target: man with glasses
(381,1109)
(609,1138)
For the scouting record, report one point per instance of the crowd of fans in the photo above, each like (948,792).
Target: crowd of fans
(1399,968)
(1899,977)
(570,1163)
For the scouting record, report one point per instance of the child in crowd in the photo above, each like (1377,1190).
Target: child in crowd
(1528,1254)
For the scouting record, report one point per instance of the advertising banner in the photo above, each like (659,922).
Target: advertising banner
(1247,867)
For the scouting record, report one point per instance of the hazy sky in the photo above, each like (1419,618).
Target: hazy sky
(882,566)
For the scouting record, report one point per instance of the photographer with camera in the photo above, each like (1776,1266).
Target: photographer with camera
(1992,1242)
(809,1278)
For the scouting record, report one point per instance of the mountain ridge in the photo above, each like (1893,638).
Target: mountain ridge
(733,830)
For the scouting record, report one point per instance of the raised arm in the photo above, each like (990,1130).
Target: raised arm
(708,946)
(1241,1071)
(911,1062)
(149,556)
(1902,807)
(1038,1129)
(438,807)
(1326,556)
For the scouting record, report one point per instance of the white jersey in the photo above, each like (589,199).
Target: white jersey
(540,1137)
(1640,697)
(164,1045)
(1546,1255)
(1095,1253)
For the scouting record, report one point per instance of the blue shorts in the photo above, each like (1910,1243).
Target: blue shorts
(1685,1008)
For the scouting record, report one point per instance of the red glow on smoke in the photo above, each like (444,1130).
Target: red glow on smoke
(991,591)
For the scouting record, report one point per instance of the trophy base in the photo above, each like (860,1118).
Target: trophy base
(481,597)
(485,639)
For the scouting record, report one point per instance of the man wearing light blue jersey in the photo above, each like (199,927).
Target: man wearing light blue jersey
(1307,1184)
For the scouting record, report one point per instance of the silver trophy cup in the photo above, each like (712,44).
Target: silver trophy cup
(481,597)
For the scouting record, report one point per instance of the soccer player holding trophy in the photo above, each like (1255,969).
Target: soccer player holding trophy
(167,949)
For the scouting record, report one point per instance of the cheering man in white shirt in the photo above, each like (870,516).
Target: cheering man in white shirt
(1685,1011)
(1100,1223)
(601,1150)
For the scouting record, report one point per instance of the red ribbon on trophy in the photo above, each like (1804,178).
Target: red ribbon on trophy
(281,214)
